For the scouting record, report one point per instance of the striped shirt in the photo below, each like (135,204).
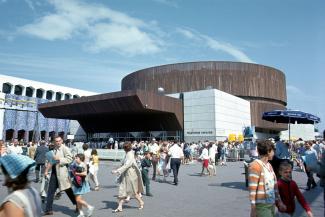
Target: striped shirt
(262,183)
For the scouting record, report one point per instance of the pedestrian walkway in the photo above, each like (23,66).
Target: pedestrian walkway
(221,195)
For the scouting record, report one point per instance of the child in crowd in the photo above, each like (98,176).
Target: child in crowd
(93,168)
(145,165)
(288,190)
(205,159)
(79,189)
(162,163)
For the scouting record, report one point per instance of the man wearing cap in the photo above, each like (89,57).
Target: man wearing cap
(23,200)
(59,175)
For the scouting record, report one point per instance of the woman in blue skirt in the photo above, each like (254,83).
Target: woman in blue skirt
(80,185)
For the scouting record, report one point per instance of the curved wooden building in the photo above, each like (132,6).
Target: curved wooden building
(263,86)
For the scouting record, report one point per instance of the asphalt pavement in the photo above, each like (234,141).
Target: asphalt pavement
(222,195)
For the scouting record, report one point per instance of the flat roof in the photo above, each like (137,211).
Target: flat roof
(123,111)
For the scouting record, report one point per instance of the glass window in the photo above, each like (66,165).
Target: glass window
(67,96)
(39,93)
(29,91)
(49,95)
(58,96)
(18,90)
(6,88)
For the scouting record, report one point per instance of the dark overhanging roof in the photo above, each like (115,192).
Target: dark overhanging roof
(124,111)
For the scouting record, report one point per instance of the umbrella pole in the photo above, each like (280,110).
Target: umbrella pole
(289,131)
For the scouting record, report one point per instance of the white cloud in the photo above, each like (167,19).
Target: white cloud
(52,27)
(47,69)
(186,33)
(291,89)
(103,26)
(228,48)
(126,39)
(298,94)
(215,44)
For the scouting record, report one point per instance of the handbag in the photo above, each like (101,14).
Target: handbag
(77,180)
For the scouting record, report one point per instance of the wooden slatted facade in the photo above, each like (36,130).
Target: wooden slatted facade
(263,86)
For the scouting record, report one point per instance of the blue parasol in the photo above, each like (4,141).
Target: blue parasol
(290,117)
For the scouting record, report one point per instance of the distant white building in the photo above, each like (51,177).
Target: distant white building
(213,115)
(19,117)
(303,131)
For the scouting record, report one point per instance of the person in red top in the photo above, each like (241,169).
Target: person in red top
(288,190)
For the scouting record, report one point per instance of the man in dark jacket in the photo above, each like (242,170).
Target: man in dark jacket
(40,156)
(145,165)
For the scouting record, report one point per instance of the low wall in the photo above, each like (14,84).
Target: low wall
(111,154)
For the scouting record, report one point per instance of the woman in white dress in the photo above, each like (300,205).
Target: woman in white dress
(130,179)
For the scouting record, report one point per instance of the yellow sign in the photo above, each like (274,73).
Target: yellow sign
(235,138)
(232,137)
(240,138)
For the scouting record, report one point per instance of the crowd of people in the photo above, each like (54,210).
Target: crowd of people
(60,167)
(270,176)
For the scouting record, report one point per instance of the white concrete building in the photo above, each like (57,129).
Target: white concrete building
(18,107)
(213,115)
(36,89)
(303,131)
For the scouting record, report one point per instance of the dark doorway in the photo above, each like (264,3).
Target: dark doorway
(21,135)
(51,135)
(61,134)
(31,136)
(9,134)
(43,134)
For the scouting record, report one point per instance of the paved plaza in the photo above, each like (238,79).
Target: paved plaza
(222,195)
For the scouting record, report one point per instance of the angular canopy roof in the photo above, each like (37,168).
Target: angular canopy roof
(124,111)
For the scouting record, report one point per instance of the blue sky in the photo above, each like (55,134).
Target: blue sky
(93,44)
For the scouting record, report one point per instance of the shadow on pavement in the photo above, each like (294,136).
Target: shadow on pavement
(108,186)
(233,185)
(113,205)
(64,210)
(310,197)
(195,174)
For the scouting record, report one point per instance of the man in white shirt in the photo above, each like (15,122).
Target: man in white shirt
(111,143)
(176,154)
(153,149)
(15,148)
